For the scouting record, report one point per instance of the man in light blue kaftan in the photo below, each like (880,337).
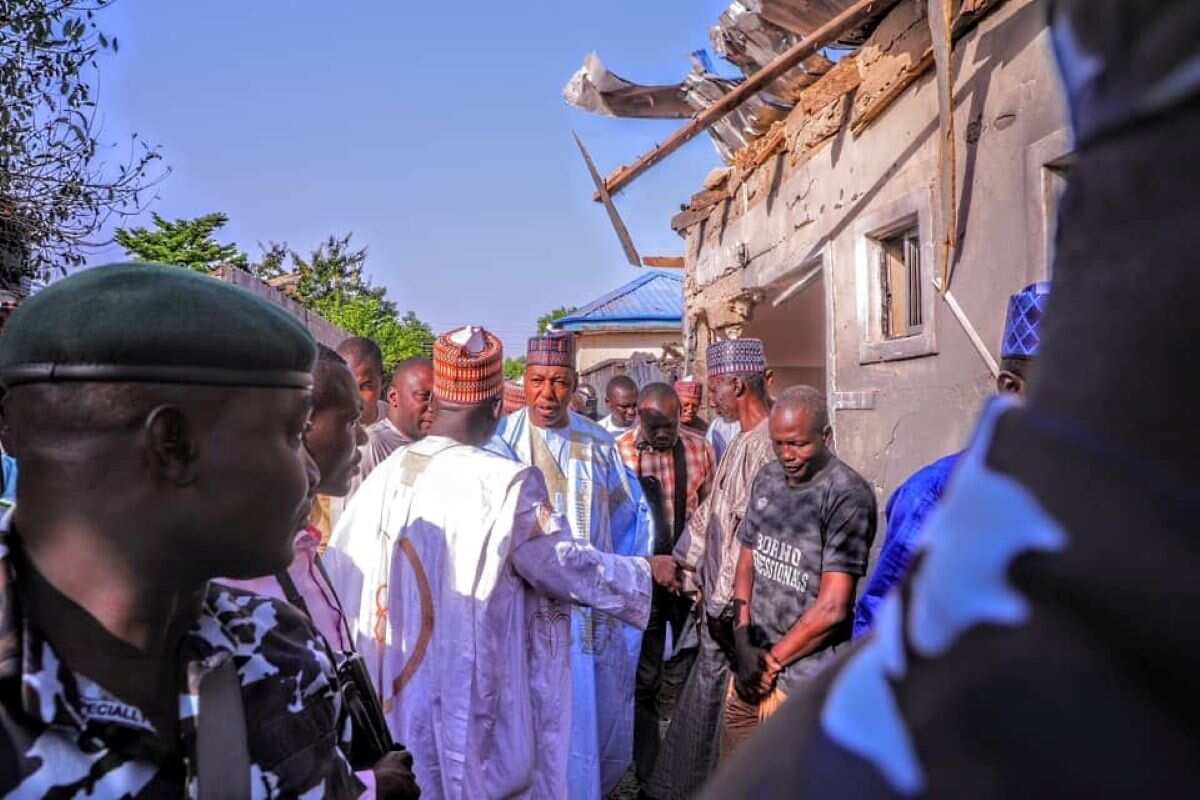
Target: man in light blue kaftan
(590,486)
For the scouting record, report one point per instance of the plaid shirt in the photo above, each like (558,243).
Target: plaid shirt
(701,466)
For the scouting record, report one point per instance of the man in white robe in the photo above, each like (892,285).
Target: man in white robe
(589,484)
(458,580)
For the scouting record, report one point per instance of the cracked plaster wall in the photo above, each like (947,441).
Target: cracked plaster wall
(1007,101)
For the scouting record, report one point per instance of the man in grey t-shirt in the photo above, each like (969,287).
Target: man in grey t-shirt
(804,543)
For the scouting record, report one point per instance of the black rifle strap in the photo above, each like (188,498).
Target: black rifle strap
(291,592)
(679,515)
(222,752)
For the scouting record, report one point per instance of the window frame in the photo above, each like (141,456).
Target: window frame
(914,210)
(1046,162)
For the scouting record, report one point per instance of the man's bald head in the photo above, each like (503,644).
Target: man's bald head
(658,411)
(408,366)
(621,394)
(800,434)
(361,350)
(366,362)
(803,400)
(621,383)
(409,396)
(658,396)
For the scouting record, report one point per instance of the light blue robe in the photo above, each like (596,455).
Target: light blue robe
(604,507)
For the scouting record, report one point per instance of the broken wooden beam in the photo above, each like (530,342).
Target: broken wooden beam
(686,219)
(941,26)
(709,197)
(614,216)
(663,262)
(847,20)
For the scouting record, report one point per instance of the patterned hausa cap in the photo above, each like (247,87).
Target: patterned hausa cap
(514,395)
(555,349)
(468,366)
(1022,328)
(689,389)
(736,357)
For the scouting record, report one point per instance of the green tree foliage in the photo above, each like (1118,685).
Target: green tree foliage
(58,188)
(330,281)
(546,320)
(367,315)
(514,368)
(184,243)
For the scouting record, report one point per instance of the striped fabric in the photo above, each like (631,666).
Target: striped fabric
(689,389)
(701,466)
(555,349)
(468,366)
(514,396)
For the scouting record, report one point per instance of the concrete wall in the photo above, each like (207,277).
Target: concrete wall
(322,330)
(592,348)
(1011,121)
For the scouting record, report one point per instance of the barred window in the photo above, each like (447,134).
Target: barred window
(902,311)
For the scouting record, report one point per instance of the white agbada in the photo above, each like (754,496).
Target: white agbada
(454,556)
(589,484)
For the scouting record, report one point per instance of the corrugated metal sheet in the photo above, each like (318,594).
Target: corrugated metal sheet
(652,300)
(802,17)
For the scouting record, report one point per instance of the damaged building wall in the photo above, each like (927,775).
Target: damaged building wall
(596,347)
(855,162)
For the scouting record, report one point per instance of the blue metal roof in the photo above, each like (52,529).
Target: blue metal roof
(653,300)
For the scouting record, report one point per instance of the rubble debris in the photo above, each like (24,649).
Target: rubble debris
(750,42)
(802,16)
(595,88)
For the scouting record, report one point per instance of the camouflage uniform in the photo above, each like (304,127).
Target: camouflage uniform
(63,735)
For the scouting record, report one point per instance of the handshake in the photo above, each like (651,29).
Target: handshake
(668,573)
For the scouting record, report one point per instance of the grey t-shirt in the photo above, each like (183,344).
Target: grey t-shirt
(798,532)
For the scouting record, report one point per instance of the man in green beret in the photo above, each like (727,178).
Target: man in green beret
(159,419)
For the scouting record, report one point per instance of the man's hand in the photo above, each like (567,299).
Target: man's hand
(750,666)
(770,673)
(665,572)
(394,777)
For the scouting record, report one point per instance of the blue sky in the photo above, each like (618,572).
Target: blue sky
(435,132)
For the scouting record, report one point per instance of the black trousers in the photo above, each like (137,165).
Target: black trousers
(666,610)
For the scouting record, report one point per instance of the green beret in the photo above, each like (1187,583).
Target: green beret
(157,324)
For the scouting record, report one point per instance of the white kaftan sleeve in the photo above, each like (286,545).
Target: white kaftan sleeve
(557,564)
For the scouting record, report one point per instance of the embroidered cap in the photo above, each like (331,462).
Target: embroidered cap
(555,349)
(468,366)
(736,357)
(514,396)
(1022,328)
(689,389)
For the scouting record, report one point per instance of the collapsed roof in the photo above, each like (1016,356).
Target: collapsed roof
(749,34)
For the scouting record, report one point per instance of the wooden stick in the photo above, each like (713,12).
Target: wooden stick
(853,16)
(614,216)
(972,334)
(941,21)
(663,262)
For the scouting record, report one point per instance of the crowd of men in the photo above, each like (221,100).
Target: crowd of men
(514,576)
(237,564)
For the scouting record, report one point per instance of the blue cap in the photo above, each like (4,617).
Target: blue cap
(1022,329)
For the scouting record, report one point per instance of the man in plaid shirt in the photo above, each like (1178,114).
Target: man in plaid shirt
(675,468)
